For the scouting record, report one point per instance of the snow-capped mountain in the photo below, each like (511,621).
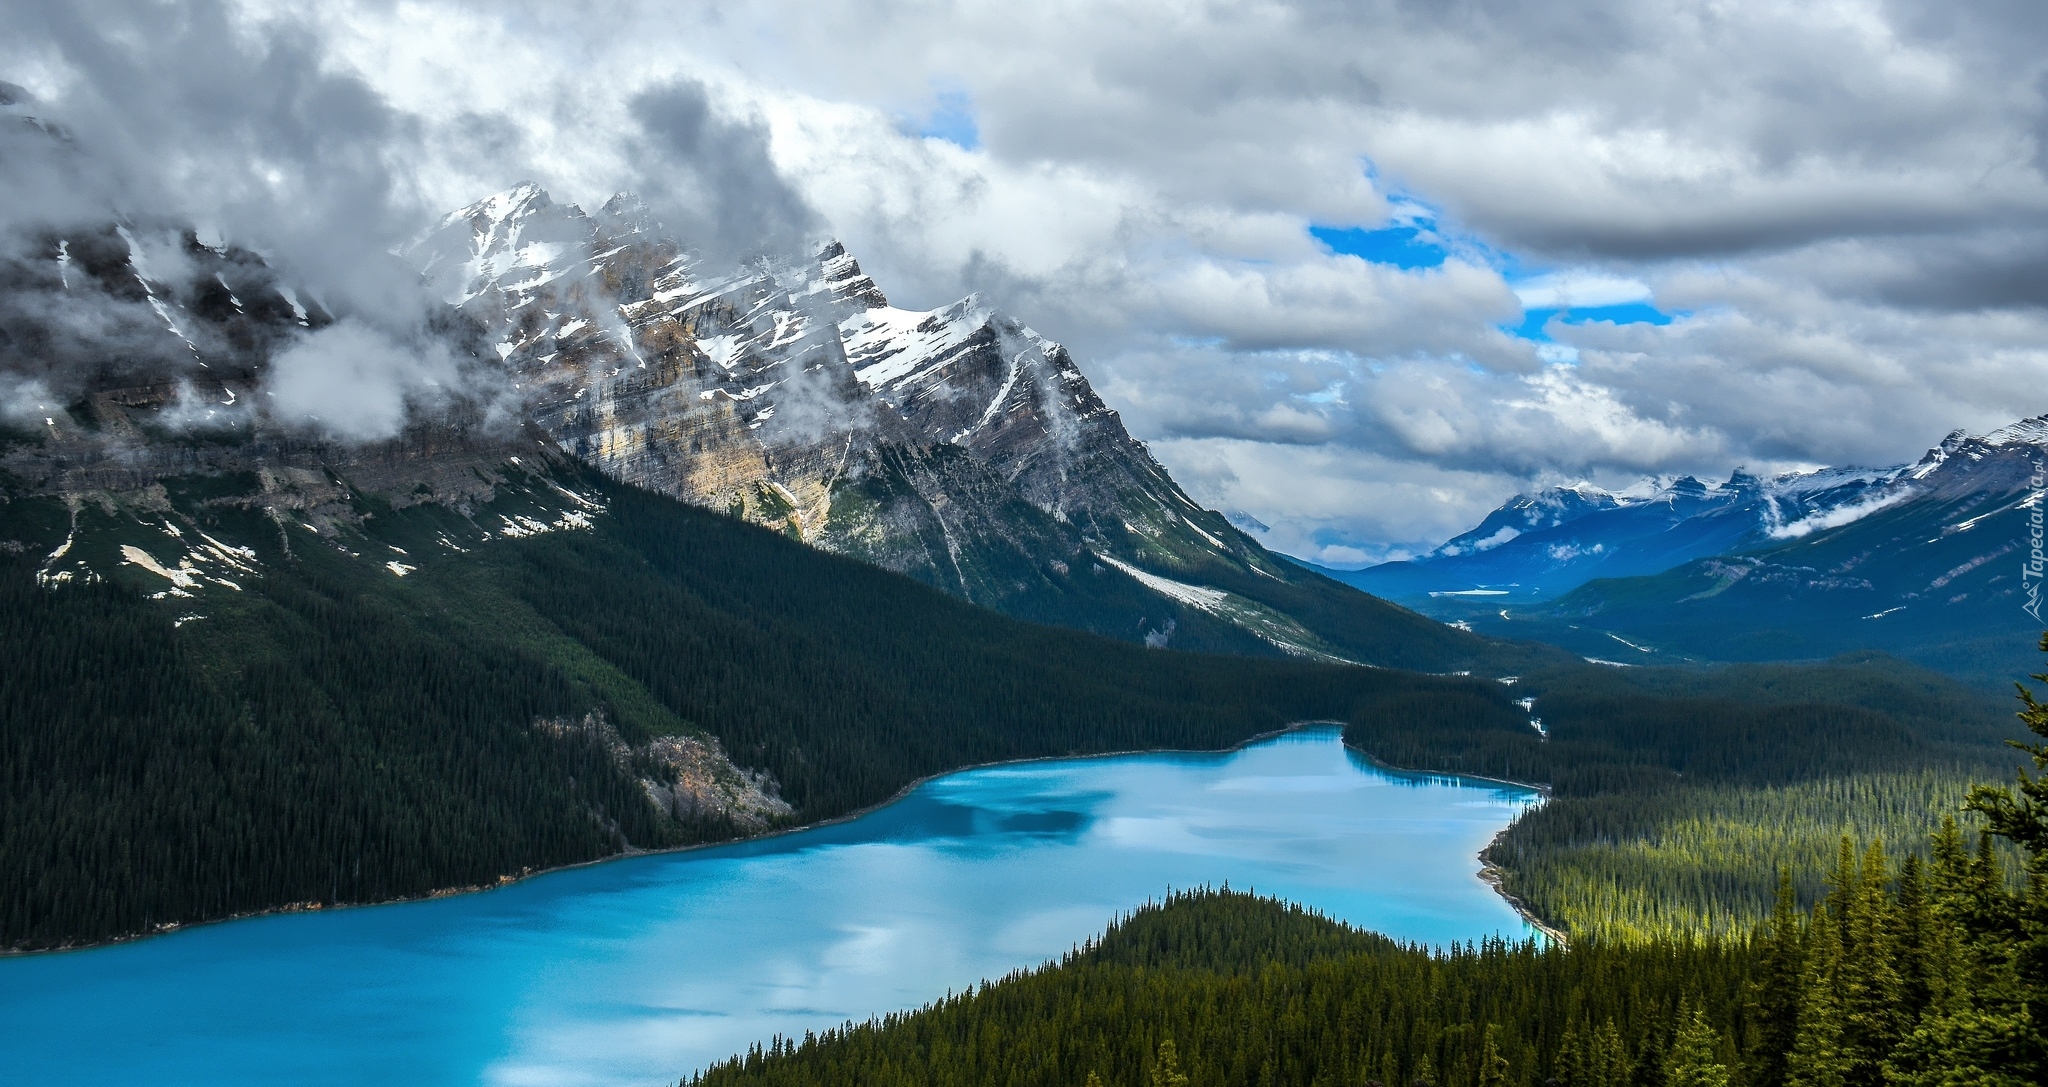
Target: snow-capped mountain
(1539,545)
(1933,562)
(956,445)
(1526,513)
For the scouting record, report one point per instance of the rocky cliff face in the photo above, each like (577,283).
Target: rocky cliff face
(956,445)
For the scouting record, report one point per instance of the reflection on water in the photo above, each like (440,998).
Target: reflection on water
(637,971)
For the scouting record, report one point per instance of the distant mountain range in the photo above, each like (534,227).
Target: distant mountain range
(1934,561)
(1539,545)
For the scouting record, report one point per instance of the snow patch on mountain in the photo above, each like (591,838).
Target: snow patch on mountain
(889,346)
(1195,596)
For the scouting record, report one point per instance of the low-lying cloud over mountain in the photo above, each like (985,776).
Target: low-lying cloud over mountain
(1360,270)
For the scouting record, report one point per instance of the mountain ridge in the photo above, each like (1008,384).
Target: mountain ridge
(1542,543)
(1931,561)
(956,445)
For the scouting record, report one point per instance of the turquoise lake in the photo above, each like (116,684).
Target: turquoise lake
(641,970)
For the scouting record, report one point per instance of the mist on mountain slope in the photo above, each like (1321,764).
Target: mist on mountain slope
(190,131)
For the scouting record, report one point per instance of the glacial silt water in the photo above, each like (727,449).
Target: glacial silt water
(640,970)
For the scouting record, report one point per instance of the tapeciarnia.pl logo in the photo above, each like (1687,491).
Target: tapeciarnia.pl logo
(2036,565)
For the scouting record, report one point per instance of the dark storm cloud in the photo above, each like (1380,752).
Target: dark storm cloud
(186,112)
(175,118)
(2004,268)
(709,177)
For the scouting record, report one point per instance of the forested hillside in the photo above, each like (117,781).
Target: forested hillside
(1675,794)
(1909,975)
(212,709)
(1906,972)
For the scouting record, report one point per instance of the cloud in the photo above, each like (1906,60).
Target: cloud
(709,177)
(198,113)
(350,380)
(1579,289)
(1840,207)
(1835,518)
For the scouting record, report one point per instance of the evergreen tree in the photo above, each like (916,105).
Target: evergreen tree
(1493,1068)
(1694,1058)
(1569,1067)
(1611,1066)
(1871,992)
(2019,813)
(1775,990)
(1916,941)
(1816,1059)
(1166,1068)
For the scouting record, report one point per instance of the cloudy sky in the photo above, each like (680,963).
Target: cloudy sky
(1359,268)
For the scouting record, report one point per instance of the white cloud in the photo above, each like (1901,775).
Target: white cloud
(350,380)
(1848,198)
(1835,518)
(1580,289)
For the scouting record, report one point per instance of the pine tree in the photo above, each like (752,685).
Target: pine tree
(1816,1059)
(1694,1059)
(2009,932)
(1774,994)
(1611,1066)
(1166,1069)
(1871,993)
(1568,1068)
(1493,1068)
(1916,940)
(2020,812)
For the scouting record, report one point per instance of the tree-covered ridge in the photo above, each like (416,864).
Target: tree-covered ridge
(380,710)
(1254,991)
(1915,975)
(1675,794)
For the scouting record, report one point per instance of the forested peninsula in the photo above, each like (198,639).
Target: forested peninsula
(1928,973)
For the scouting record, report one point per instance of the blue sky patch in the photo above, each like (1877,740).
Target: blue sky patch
(1627,313)
(952,120)
(1400,246)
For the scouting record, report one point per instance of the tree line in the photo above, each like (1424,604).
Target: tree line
(1676,794)
(1915,975)
(1906,973)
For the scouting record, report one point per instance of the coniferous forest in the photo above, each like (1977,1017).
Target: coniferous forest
(1676,795)
(338,735)
(335,734)
(1906,972)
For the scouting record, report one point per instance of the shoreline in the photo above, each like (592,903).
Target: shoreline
(1487,867)
(630,852)
(1491,874)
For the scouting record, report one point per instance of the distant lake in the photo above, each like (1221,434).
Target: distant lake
(639,971)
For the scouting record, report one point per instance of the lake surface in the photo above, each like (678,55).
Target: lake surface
(641,970)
